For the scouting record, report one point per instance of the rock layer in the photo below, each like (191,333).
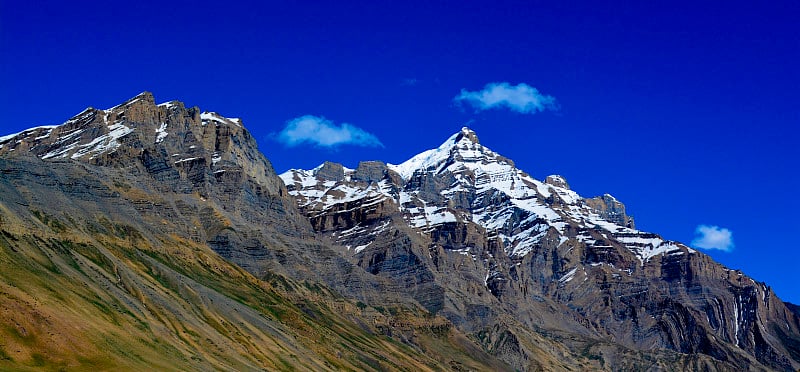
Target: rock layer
(502,244)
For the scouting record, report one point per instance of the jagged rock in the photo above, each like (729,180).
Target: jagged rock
(612,210)
(370,171)
(540,253)
(557,181)
(331,171)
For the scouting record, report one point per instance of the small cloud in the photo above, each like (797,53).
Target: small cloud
(409,82)
(521,98)
(318,131)
(713,237)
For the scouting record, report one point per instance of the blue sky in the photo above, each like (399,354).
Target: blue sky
(686,112)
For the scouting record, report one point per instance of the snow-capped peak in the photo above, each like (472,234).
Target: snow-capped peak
(93,133)
(463,180)
(463,145)
(467,134)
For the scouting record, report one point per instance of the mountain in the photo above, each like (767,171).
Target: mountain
(494,242)
(158,236)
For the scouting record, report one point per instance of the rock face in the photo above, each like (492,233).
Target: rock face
(611,210)
(152,235)
(202,177)
(331,171)
(170,149)
(503,269)
(99,271)
(481,242)
(172,142)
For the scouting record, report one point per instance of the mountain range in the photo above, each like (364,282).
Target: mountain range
(158,235)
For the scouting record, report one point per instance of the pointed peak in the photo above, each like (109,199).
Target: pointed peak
(467,134)
(145,96)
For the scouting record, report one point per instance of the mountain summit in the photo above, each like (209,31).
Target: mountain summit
(467,134)
(155,235)
(545,255)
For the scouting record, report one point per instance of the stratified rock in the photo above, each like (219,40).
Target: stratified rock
(611,210)
(503,245)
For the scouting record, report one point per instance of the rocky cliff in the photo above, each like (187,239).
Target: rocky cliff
(485,241)
(176,171)
(158,236)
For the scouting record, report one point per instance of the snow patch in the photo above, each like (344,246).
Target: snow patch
(186,159)
(361,247)
(161,132)
(568,276)
(215,117)
(26,132)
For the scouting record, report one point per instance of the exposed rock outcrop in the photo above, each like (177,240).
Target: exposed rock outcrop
(503,244)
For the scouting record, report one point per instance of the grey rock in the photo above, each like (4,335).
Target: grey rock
(590,274)
(611,209)
(331,171)
(557,181)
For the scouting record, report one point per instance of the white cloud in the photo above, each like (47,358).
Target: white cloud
(521,98)
(713,237)
(318,131)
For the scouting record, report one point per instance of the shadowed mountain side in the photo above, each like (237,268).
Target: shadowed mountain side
(90,280)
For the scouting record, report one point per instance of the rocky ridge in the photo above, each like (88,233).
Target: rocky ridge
(538,247)
(144,215)
(186,139)
(193,173)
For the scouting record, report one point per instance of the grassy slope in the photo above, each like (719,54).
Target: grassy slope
(92,301)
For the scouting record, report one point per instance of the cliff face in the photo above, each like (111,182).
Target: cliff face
(494,243)
(182,149)
(169,221)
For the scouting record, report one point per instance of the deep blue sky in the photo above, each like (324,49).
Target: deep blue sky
(686,112)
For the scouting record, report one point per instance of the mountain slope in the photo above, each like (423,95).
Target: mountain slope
(120,235)
(555,261)
(156,235)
